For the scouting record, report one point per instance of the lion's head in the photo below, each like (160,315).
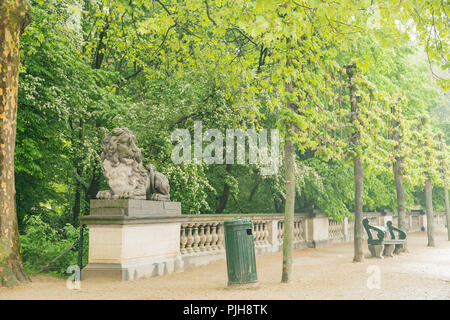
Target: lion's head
(120,146)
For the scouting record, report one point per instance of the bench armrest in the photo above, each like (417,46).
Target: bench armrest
(368,227)
(391,228)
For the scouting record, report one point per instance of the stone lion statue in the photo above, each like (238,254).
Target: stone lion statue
(126,175)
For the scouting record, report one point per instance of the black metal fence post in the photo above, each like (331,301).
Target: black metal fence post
(80,248)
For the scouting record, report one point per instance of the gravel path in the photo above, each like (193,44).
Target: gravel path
(327,273)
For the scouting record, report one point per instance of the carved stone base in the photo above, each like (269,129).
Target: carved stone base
(376,250)
(134,207)
(132,271)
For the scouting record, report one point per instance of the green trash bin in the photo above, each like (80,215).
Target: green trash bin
(240,251)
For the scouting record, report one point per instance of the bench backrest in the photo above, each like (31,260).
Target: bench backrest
(391,228)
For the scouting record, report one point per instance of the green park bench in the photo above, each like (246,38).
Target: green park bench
(386,242)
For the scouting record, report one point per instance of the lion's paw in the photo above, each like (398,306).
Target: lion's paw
(125,195)
(159,197)
(104,194)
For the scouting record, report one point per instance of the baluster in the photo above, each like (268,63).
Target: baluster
(297,231)
(302,230)
(266,234)
(208,236)
(183,239)
(335,233)
(196,238)
(214,236)
(280,231)
(259,237)
(255,232)
(190,238)
(201,229)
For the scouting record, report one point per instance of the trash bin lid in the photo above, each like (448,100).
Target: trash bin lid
(237,221)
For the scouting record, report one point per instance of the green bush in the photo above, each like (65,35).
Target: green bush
(41,243)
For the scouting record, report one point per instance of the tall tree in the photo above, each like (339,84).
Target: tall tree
(427,167)
(288,232)
(14,18)
(358,168)
(429,211)
(397,130)
(289,208)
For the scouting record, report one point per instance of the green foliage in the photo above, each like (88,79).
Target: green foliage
(190,186)
(438,198)
(42,242)
(320,189)
(63,105)
(90,66)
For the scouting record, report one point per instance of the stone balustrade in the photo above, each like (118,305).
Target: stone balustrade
(132,242)
(202,236)
(336,231)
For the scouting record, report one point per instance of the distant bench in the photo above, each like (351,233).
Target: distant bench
(386,243)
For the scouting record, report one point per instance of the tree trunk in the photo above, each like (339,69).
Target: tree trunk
(289,207)
(225,193)
(401,208)
(13,20)
(288,233)
(357,168)
(398,170)
(447,209)
(429,210)
(359,176)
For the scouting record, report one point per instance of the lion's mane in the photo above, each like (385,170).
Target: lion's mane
(132,153)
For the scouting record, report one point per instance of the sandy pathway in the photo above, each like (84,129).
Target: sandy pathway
(328,273)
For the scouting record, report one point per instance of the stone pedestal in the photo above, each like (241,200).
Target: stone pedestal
(130,239)
(317,231)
